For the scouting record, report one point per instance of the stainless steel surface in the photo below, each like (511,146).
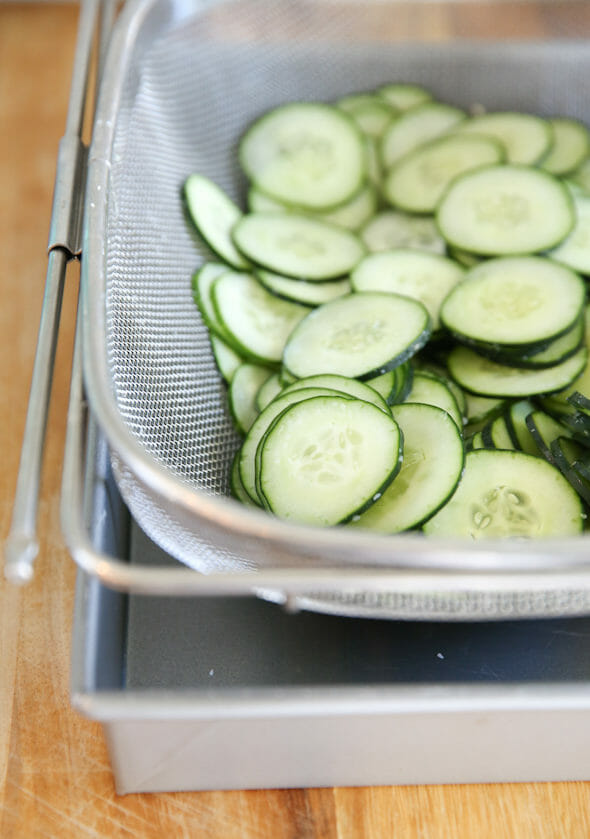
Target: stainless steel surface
(21,545)
(181,82)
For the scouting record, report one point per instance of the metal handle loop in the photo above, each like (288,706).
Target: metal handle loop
(21,546)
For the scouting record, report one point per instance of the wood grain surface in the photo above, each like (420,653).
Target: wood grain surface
(54,770)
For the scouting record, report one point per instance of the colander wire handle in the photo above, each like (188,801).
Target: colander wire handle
(21,546)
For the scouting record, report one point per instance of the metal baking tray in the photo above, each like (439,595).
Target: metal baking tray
(221,692)
(181,82)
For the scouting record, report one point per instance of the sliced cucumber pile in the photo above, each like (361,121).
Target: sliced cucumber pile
(398,308)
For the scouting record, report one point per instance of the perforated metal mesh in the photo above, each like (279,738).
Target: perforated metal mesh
(194,84)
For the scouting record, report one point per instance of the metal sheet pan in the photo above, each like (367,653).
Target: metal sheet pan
(222,693)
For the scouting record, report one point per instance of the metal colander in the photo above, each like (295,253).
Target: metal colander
(182,81)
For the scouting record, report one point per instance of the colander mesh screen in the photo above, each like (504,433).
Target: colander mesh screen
(189,94)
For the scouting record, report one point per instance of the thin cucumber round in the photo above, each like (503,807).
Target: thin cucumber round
(517,415)
(429,389)
(415,127)
(214,214)
(244,385)
(306,154)
(327,459)
(496,434)
(341,384)
(302,291)
(509,494)
(506,210)
(432,464)
(544,429)
(202,282)
(395,229)
(534,358)
(514,300)
(226,358)
(359,335)
(574,250)
(394,385)
(527,138)
(257,322)
(372,115)
(352,215)
(581,175)
(236,486)
(421,275)
(385,384)
(416,182)
(571,146)
(296,245)
(480,375)
(404,95)
(268,390)
(259,427)
(482,408)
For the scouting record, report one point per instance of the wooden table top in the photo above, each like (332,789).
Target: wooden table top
(54,770)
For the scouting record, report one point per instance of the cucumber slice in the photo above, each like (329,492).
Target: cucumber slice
(352,215)
(372,114)
(506,210)
(557,351)
(527,138)
(267,391)
(258,322)
(259,427)
(475,442)
(517,415)
(214,214)
(404,374)
(581,175)
(423,276)
(327,459)
(355,212)
(464,258)
(574,250)
(374,167)
(302,291)
(306,154)
(488,378)
(236,485)
(352,101)
(390,229)
(415,127)
(385,385)
(571,146)
(496,435)
(416,183)
(404,95)
(341,384)
(514,301)
(431,390)
(394,385)
(567,453)
(509,494)
(298,246)
(544,430)
(226,358)
(482,408)
(202,282)
(432,464)
(359,335)
(243,388)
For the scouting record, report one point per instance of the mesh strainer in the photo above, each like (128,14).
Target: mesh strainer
(182,81)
